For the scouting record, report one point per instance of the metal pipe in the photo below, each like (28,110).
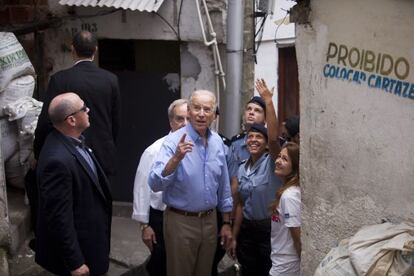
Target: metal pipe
(218,67)
(206,42)
(232,98)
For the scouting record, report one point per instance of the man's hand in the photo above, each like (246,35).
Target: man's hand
(231,251)
(83,270)
(226,236)
(264,92)
(148,237)
(183,147)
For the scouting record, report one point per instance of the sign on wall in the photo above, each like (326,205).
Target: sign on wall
(372,69)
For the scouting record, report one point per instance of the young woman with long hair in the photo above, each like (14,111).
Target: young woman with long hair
(286,221)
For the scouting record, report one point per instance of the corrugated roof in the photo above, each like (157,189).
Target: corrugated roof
(140,5)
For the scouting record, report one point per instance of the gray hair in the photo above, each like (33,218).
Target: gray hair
(173,105)
(204,92)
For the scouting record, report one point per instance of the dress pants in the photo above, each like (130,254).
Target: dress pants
(254,248)
(190,243)
(156,265)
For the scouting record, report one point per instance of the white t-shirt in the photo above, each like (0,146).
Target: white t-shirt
(285,260)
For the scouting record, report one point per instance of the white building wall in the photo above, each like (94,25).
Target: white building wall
(267,55)
(357,133)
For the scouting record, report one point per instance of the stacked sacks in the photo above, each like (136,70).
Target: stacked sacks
(18,110)
(380,249)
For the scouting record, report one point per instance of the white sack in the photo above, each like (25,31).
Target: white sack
(19,108)
(17,88)
(27,125)
(336,262)
(14,61)
(9,139)
(383,249)
(24,112)
(15,171)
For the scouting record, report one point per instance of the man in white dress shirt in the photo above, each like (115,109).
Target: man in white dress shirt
(148,206)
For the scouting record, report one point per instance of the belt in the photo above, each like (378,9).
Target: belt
(191,214)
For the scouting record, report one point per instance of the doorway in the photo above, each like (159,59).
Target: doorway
(288,84)
(148,73)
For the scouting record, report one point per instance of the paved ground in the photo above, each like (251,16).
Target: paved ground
(127,249)
(128,254)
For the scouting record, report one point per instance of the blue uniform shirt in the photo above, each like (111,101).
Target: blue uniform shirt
(257,187)
(237,153)
(201,181)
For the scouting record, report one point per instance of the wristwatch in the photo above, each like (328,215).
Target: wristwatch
(143,226)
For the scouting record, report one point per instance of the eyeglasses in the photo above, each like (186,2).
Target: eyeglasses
(83,109)
(198,108)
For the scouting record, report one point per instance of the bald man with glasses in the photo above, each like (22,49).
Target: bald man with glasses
(75,205)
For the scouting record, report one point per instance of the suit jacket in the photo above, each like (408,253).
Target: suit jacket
(99,90)
(75,210)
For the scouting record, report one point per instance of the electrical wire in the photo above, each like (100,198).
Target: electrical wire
(260,22)
(166,22)
(260,32)
(179,20)
(278,26)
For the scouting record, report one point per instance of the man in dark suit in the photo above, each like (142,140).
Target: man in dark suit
(75,204)
(100,91)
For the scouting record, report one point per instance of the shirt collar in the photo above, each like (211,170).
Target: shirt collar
(258,162)
(194,134)
(77,142)
(244,142)
(82,60)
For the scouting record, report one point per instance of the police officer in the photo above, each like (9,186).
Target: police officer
(257,185)
(254,112)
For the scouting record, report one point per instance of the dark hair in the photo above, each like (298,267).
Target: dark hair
(85,44)
(255,127)
(292,125)
(293,178)
(259,101)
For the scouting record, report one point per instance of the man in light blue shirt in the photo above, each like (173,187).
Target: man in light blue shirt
(191,170)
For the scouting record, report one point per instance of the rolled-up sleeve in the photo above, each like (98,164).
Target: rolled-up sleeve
(156,181)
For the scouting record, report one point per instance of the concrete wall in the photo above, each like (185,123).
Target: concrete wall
(142,25)
(197,68)
(357,127)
